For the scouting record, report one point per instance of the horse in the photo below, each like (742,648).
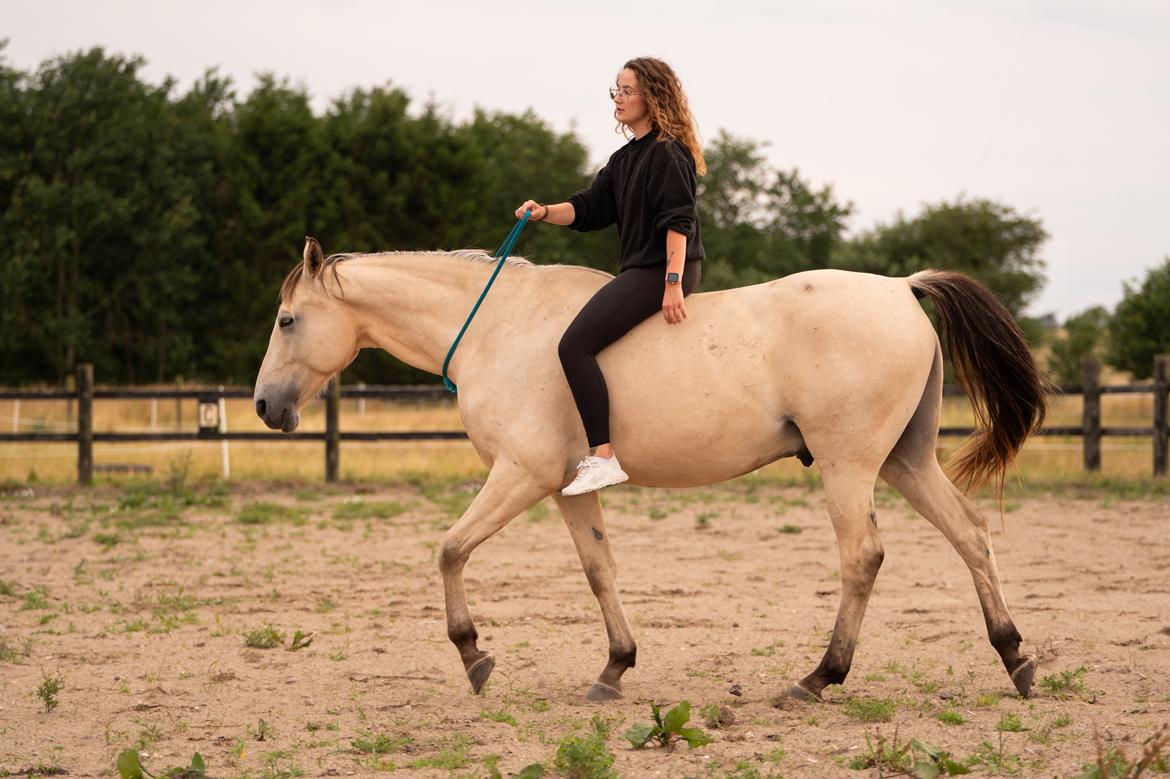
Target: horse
(839,366)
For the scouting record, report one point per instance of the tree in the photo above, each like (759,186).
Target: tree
(1083,335)
(1140,326)
(985,239)
(760,223)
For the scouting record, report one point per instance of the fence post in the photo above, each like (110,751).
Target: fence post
(332,429)
(85,424)
(1091,418)
(1161,434)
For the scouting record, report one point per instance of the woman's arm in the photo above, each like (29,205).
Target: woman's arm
(557,213)
(674,310)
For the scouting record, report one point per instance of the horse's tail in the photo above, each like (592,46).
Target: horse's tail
(993,366)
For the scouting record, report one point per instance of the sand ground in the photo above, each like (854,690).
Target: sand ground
(140,603)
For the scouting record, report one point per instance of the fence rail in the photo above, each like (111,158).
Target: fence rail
(211,418)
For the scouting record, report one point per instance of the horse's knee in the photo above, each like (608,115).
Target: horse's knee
(451,557)
(864,563)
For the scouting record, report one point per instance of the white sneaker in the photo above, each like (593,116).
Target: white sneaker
(593,473)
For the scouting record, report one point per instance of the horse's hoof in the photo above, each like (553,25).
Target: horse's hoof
(1022,676)
(798,692)
(479,672)
(603,692)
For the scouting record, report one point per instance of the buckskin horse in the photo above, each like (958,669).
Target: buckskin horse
(844,367)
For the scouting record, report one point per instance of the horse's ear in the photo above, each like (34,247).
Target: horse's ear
(314,257)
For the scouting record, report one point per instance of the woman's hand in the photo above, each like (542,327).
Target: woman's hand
(539,212)
(674,310)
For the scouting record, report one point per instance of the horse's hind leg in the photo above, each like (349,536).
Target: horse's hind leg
(506,493)
(850,494)
(587,526)
(912,469)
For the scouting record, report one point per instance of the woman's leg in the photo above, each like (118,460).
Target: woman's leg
(613,311)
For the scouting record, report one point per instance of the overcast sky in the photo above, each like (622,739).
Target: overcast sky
(1059,109)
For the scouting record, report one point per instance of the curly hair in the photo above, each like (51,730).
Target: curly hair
(670,112)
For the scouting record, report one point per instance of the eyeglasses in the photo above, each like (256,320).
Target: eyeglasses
(625,92)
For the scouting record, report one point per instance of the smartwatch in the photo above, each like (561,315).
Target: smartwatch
(672,278)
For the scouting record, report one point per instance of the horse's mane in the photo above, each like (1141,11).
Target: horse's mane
(474,255)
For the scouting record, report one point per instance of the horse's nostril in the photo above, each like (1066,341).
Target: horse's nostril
(261,406)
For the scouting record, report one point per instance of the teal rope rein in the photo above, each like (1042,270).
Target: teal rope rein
(503,252)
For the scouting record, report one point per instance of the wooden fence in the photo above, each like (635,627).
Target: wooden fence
(211,417)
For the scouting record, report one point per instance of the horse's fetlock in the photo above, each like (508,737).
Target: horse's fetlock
(623,656)
(463,635)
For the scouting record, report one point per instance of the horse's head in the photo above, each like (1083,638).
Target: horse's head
(314,338)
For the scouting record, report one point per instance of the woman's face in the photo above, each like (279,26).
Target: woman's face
(629,105)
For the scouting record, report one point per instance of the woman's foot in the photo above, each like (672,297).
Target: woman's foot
(594,473)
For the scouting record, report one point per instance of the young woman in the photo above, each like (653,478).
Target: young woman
(648,189)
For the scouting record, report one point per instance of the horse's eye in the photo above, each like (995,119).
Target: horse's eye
(286,321)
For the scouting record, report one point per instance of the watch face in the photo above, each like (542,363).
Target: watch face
(672,278)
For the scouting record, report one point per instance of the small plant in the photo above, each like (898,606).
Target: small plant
(261,513)
(950,717)
(913,758)
(870,709)
(667,730)
(703,520)
(356,508)
(35,599)
(266,637)
(1114,763)
(716,716)
(768,650)
(48,689)
(791,530)
(380,744)
(1009,723)
(300,640)
(1065,681)
(130,767)
(499,716)
(585,757)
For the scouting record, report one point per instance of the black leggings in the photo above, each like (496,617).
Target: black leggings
(631,298)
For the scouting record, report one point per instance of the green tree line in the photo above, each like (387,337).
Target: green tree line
(147,229)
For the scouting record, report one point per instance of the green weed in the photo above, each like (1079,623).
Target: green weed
(453,757)
(870,709)
(1065,681)
(48,689)
(586,757)
(788,529)
(950,717)
(1113,763)
(1009,723)
(130,767)
(300,640)
(264,513)
(667,730)
(266,637)
(379,744)
(498,716)
(35,599)
(913,758)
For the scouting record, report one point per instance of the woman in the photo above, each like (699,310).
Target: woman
(648,189)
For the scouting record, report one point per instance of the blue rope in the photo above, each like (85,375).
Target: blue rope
(503,252)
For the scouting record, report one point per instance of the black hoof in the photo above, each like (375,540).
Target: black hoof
(479,672)
(603,692)
(801,694)
(1023,675)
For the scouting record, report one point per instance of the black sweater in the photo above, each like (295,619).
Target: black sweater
(647,187)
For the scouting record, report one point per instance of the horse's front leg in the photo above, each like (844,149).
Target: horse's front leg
(587,526)
(506,493)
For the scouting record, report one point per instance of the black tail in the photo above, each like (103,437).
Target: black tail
(994,367)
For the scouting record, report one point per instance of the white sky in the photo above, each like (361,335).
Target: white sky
(1059,109)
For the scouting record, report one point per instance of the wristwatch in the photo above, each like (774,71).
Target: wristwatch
(672,278)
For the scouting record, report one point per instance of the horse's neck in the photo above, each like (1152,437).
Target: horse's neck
(412,305)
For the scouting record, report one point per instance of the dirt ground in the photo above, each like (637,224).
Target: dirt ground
(140,602)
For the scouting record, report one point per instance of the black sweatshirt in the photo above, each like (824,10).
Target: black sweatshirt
(646,187)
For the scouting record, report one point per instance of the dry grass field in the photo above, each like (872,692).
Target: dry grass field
(1043,459)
